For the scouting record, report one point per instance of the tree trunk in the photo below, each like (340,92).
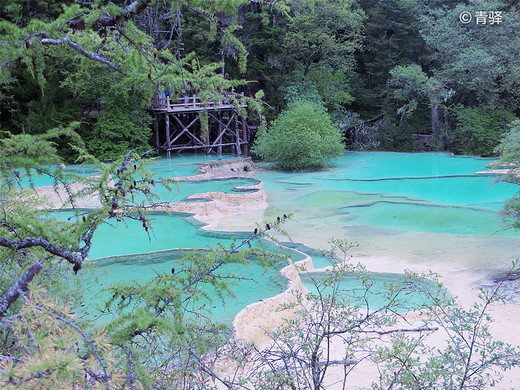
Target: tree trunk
(436,135)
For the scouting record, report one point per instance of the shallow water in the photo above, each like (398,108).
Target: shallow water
(180,165)
(435,178)
(256,283)
(424,208)
(378,291)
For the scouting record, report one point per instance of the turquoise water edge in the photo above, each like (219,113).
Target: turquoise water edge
(375,198)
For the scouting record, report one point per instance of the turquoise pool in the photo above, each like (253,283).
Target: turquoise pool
(428,207)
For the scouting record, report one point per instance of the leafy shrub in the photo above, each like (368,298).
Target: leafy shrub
(117,130)
(303,137)
(509,147)
(509,151)
(480,129)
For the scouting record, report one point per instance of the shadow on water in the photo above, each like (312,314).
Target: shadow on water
(253,282)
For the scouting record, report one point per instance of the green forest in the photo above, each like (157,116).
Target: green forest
(318,77)
(383,70)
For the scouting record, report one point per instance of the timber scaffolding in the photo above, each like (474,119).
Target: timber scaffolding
(179,125)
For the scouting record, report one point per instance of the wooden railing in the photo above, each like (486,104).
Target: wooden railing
(186,103)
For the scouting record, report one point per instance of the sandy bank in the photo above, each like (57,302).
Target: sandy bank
(222,169)
(58,197)
(218,205)
(255,321)
(212,206)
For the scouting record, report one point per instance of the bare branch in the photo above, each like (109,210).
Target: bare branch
(131,380)
(384,332)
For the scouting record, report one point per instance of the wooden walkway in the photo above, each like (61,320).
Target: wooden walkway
(179,126)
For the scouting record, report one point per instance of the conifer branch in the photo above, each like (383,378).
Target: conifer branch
(67,41)
(260,232)
(21,287)
(20,150)
(43,243)
(105,377)
(133,9)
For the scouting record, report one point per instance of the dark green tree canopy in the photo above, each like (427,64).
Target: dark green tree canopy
(69,62)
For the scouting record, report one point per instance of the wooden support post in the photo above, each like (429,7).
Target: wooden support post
(208,131)
(220,132)
(245,138)
(225,133)
(237,136)
(156,131)
(168,139)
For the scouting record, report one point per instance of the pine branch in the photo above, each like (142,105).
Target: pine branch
(21,287)
(265,2)
(16,359)
(20,150)
(105,377)
(259,233)
(66,40)
(43,243)
(133,9)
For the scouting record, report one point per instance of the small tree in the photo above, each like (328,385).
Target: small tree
(337,329)
(304,351)
(470,358)
(509,151)
(303,137)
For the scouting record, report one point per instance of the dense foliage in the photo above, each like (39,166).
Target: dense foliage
(400,67)
(509,149)
(303,137)
(479,129)
(76,79)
